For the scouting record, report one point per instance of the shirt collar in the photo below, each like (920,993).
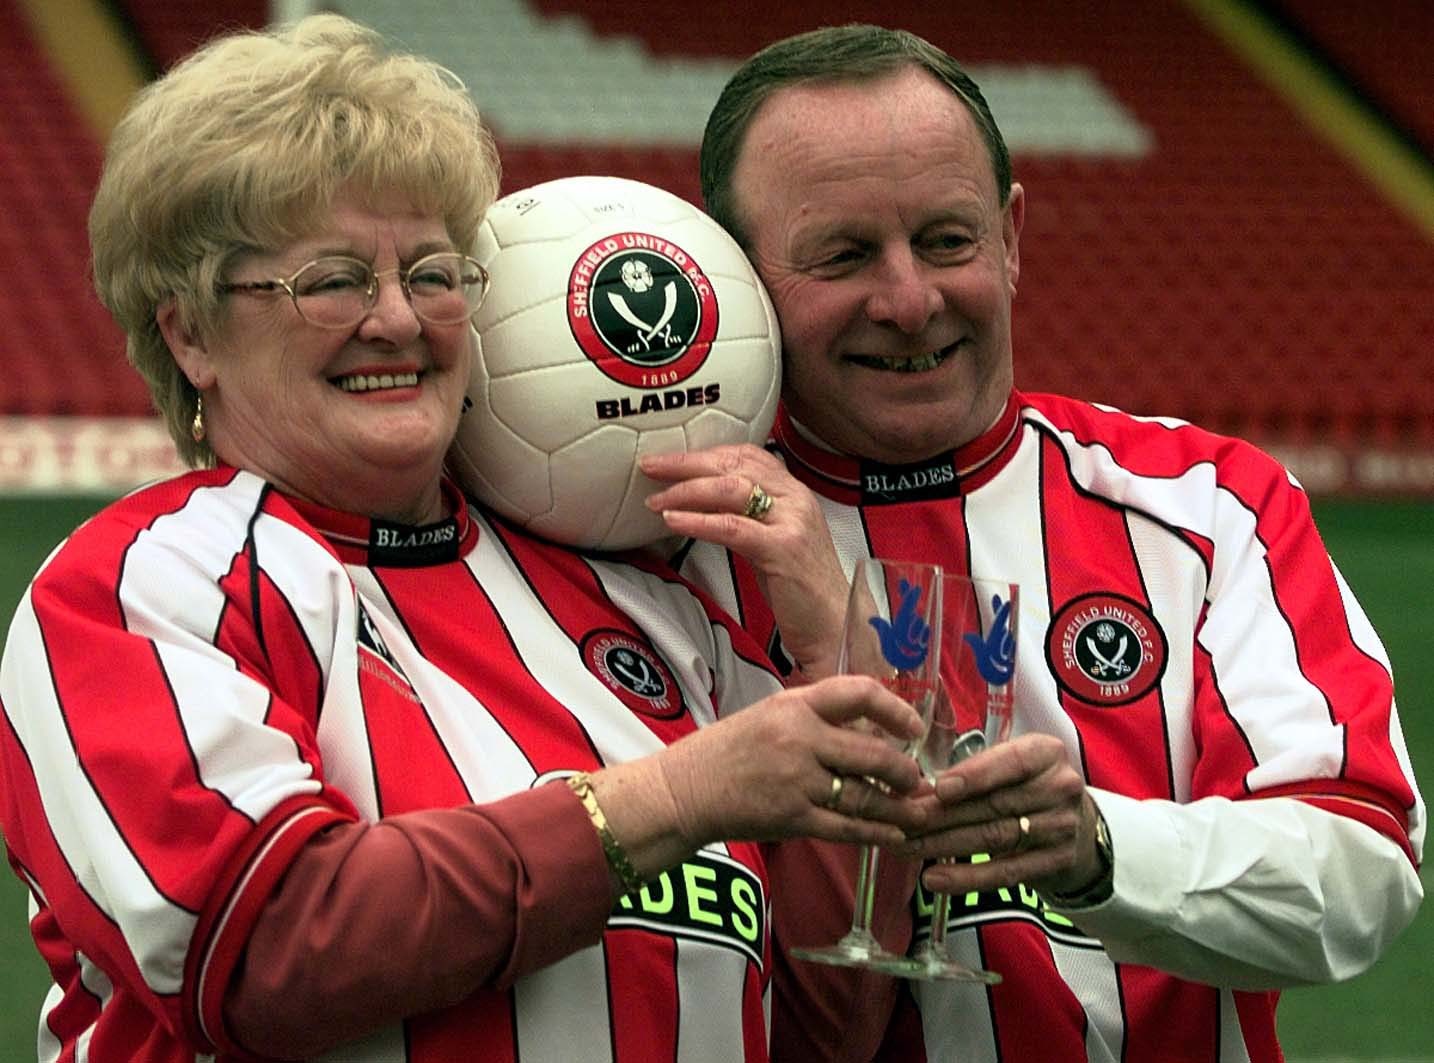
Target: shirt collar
(857,481)
(374,542)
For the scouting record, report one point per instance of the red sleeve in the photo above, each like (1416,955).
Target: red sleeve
(820,1012)
(372,922)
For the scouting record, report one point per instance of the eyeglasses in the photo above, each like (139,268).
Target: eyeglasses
(337,291)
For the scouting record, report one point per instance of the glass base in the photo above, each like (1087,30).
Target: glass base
(857,949)
(929,965)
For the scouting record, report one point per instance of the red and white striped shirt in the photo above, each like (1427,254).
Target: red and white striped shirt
(1184,631)
(208,672)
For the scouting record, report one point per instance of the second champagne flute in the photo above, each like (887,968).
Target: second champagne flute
(972,713)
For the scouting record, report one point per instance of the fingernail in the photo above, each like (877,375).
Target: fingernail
(951,788)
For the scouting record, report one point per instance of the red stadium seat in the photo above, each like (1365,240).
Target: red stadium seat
(1241,272)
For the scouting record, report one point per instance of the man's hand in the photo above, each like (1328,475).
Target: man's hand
(1022,804)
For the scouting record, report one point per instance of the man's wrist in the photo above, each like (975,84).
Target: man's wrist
(1102,886)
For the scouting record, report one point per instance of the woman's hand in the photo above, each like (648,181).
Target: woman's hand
(768,772)
(789,545)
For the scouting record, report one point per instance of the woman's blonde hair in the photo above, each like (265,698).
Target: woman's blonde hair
(244,146)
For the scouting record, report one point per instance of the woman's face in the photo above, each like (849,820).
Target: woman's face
(357,418)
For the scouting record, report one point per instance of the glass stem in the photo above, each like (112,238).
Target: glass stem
(940,912)
(865,901)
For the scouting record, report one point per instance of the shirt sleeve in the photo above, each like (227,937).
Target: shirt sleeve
(1294,861)
(1264,893)
(140,754)
(453,900)
(1293,690)
(165,789)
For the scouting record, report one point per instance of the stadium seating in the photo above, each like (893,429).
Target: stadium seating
(1384,57)
(63,354)
(1192,247)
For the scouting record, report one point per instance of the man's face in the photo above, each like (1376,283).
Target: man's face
(872,217)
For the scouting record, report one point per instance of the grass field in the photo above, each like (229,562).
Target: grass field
(1386,552)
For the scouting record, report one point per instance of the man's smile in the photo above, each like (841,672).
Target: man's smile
(921,363)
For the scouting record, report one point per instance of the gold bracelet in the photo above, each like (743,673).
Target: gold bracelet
(581,785)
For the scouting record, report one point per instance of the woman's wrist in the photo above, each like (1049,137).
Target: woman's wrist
(641,819)
(617,859)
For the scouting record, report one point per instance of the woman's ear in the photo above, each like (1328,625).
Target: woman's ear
(190,349)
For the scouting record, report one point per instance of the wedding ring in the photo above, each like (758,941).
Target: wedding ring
(834,798)
(1023,838)
(758,502)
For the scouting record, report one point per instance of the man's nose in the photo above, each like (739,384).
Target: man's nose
(905,292)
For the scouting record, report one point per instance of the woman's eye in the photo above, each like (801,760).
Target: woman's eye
(433,278)
(326,277)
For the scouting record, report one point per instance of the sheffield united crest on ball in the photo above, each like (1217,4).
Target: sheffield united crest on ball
(642,309)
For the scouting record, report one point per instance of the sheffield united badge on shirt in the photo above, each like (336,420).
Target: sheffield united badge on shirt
(1106,649)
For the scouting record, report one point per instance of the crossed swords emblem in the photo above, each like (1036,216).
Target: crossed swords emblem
(646,332)
(1106,666)
(637,672)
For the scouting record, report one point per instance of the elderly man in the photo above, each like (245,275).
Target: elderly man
(1207,797)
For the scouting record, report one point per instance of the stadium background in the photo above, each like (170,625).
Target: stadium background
(1231,219)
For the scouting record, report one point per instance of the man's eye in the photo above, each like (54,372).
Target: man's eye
(838,261)
(947,245)
(952,240)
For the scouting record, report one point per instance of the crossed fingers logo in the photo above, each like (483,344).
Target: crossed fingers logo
(996,653)
(906,637)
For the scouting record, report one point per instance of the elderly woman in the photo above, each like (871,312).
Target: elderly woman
(299,749)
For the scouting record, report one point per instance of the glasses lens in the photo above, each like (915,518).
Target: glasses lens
(446,288)
(338,291)
(333,292)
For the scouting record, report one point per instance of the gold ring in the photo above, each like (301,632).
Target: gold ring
(834,798)
(758,502)
(1023,838)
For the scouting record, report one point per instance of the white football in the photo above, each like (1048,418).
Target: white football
(621,320)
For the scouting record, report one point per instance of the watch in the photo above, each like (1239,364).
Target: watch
(1104,884)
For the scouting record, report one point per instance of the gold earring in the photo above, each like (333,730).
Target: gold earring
(196,426)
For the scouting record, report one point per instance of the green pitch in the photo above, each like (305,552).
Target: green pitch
(1386,552)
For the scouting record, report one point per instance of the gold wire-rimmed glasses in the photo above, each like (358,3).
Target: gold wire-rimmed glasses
(338,291)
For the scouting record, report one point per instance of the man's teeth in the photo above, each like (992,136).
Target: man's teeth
(919,364)
(378,381)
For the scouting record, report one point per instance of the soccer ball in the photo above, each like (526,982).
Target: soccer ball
(621,321)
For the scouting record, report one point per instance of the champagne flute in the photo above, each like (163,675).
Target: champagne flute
(891,632)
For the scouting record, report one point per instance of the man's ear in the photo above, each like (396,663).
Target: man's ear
(190,349)
(1012,221)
